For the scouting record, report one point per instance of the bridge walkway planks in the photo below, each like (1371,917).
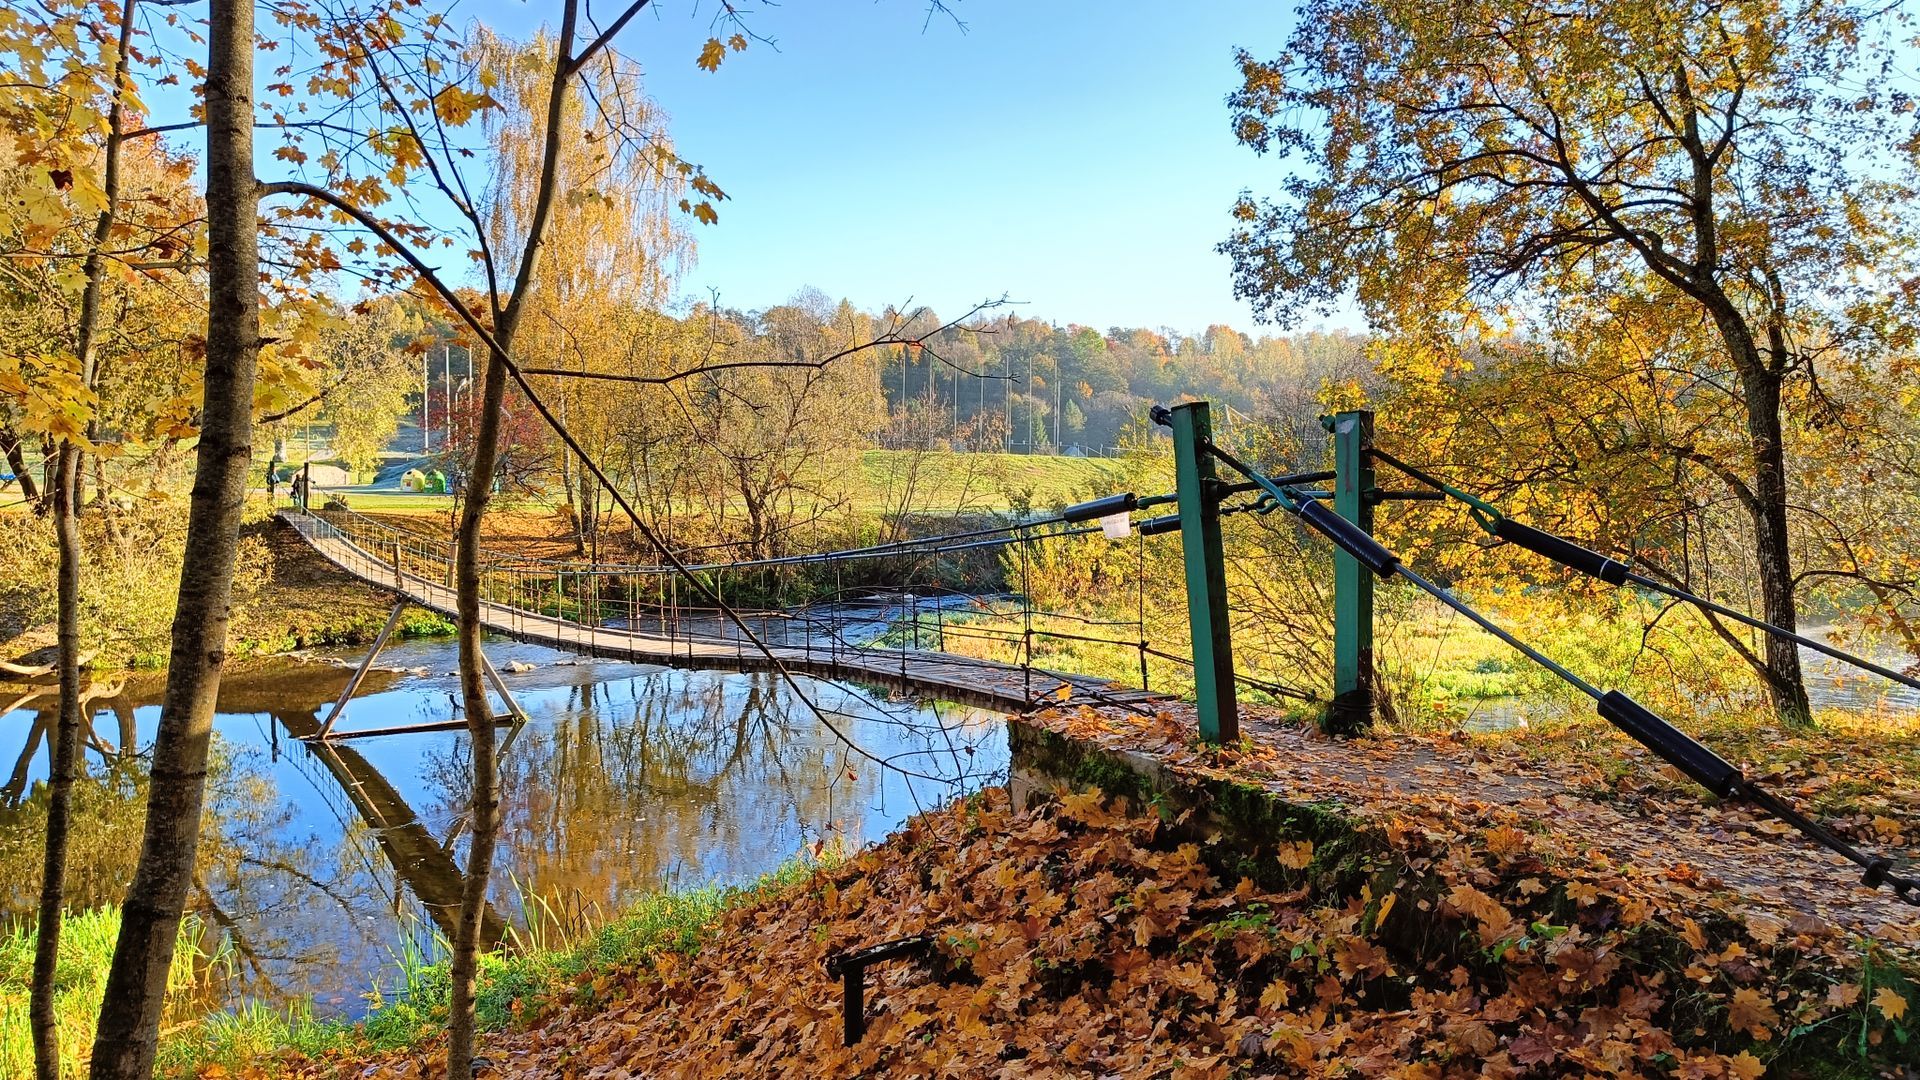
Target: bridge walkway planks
(968,680)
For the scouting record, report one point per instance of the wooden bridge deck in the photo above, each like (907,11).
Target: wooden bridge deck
(964,679)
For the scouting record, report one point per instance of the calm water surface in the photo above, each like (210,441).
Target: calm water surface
(323,864)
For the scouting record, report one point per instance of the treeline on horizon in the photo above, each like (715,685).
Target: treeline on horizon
(993,382)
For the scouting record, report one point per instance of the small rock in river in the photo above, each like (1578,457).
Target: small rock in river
(517,667)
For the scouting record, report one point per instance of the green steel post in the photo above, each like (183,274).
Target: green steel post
(1351,710)
(1206,574)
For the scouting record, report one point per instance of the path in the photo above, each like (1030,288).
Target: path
(1646,834)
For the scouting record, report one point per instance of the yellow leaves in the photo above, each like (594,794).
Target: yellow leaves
(1749,1011)
(1691,933)
(1505,841)
(1891,1005)
(455,105)
(1496,922)
(714,51)
(1744,1066)
(1386,907)
(48,391)
(1276,995)
(1084,807)
(1296,855)
(174,417)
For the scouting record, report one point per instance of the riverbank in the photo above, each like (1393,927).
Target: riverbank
(1256,911)
(330,872)
(543,970)
(284,597)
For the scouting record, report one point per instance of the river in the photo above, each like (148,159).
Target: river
(324,865)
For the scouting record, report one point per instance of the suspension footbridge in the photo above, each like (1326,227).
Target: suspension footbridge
(529,601)
(633,612)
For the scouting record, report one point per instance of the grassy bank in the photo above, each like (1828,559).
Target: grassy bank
(540,970)
(884,482)
(86,951)
(284,597)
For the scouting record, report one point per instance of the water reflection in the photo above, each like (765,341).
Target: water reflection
(317,862)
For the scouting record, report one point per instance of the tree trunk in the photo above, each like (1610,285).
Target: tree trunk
(473,689)
(150,919)
(1767,509)
(15,790)
(65,760)
(1786,685)
(101,494)
(17,464)
(485,798)
(588,502)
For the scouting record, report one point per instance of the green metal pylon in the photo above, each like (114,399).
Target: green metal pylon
(1351,710)
(1206,573)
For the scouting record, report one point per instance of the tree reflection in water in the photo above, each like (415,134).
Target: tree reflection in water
(317,861)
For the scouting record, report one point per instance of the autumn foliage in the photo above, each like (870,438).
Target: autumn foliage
(1093,935)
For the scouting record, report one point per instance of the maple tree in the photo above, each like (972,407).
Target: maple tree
(1733,173)
(65,111)
(128,1034)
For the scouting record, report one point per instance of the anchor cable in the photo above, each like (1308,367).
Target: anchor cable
(1646,727)
(1615,572)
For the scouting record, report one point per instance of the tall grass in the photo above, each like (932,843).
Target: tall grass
(550,961)
(86,952)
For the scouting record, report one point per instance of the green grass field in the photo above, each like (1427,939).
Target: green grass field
(891,479)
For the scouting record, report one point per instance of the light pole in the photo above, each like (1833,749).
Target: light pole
(446,381)
(426,405)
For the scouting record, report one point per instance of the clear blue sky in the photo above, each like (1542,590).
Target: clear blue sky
(1070,154)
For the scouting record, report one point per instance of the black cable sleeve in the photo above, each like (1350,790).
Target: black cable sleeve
(1349,537)
(1561,550)
(1708,769)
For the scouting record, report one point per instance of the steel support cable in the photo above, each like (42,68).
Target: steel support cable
(1691,757)
(1276,689)
(1616,572)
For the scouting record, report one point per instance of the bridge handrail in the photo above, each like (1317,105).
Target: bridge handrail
(942,544)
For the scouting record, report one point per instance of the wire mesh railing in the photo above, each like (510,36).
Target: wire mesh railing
(897,630)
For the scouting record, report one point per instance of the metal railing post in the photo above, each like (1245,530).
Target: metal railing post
(1351,709)
(1199,504)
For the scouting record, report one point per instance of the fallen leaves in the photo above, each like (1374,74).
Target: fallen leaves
(1749,1011)
(1088,937)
